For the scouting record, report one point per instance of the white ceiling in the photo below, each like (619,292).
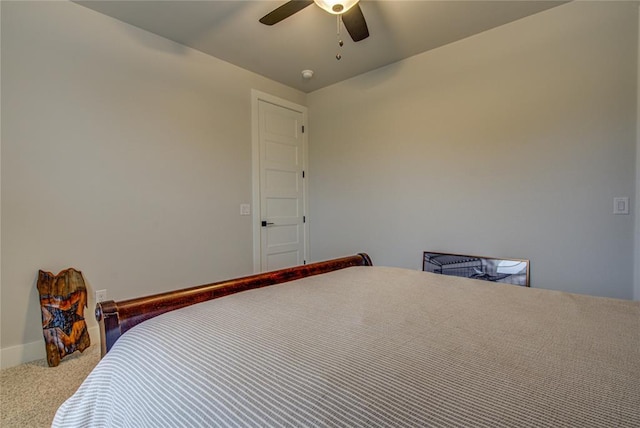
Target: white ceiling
(230,30)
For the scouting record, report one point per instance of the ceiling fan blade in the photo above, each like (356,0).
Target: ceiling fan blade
(285,11)
(355,23)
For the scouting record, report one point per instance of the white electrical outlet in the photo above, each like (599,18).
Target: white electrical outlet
(621,205)
(101,295)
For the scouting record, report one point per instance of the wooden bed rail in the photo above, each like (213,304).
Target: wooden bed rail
(115,318)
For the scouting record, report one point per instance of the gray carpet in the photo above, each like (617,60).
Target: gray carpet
(32,392)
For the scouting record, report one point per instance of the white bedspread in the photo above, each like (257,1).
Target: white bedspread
(373,346)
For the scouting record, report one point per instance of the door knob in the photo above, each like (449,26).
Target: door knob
(266,223)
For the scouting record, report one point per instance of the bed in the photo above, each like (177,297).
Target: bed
(345,343)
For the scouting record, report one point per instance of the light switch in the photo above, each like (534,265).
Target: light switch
(621,205)
(245,209)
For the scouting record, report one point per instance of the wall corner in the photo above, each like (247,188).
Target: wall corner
(636,246)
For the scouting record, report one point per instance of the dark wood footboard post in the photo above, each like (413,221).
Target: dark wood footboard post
(107,317)
(366,259)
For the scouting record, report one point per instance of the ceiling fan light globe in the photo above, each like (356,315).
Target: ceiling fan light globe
(336,7)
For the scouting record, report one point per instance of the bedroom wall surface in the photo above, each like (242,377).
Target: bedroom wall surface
(636,290)
(124,155)
(511,143)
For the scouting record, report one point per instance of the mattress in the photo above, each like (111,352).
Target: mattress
(373,346)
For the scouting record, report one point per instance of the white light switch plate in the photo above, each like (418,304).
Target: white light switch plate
(621,205)
(245,209)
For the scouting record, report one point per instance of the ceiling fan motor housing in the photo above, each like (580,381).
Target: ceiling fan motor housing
(336,7)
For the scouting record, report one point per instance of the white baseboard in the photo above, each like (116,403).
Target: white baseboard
(19,354)
(16,355)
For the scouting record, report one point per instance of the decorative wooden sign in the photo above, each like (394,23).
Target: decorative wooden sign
(63,298)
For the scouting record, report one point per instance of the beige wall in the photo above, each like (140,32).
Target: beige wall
(636,291)
(511,143)
(124,155)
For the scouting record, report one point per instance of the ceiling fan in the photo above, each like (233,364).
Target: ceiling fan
(348,10)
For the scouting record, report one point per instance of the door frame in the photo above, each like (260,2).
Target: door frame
(256,97)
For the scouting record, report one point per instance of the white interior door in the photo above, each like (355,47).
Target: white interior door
(281,187)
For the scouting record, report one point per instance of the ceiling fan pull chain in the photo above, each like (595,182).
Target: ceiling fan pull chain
(340,42)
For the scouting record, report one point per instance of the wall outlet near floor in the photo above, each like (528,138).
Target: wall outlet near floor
(101,295)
